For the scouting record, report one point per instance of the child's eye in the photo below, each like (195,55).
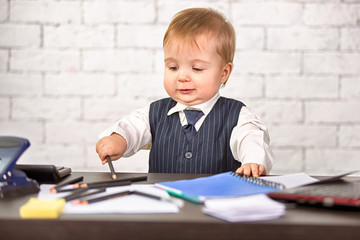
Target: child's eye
(173,68)
(197,69)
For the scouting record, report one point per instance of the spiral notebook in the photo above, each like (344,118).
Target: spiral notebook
(221,185)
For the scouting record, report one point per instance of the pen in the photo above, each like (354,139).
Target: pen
(196,200)
(113,175)
(99,199)
(57,187)
(110,183)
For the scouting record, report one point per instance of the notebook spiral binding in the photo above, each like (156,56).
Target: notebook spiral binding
(259,181)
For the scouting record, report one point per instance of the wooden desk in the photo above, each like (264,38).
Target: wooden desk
(190,223)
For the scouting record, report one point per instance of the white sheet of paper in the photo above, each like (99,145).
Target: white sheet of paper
(249,208)
(292,180)
(125,204)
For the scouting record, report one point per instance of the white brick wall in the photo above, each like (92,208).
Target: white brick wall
(10,35)
(4,59)
(69,69)
(266,13)
(3,10)
(111,11)
(77,36)
(43,60)
(42,12)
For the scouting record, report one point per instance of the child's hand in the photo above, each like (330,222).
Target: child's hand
(113,146)
(251,169)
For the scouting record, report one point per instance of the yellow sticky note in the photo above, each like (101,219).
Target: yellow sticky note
(42,208)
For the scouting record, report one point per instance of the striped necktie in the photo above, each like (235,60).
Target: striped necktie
(192,116)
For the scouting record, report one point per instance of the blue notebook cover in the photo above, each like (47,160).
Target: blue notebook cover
(220,185)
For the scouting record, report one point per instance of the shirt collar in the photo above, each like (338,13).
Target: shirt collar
(204,107)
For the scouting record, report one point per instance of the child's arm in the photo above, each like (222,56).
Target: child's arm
(251,169)
(113,146)
(127,136)
(250,144)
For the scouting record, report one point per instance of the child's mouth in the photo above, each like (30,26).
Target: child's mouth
(186,91)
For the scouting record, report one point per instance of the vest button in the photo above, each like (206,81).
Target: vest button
(188,155)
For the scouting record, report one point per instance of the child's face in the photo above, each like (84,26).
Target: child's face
(194,75)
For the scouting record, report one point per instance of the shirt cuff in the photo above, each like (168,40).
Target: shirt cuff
(115,129)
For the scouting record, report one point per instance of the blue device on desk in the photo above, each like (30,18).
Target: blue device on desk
(14,182)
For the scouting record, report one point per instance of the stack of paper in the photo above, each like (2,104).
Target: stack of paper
(250,208)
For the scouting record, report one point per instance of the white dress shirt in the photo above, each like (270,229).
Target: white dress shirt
(249,141)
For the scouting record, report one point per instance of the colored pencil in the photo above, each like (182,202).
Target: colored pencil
(60,185)
(148,195)
(113,175)
(109,183)
(106,197)
(74,194)
(80,193)
(115,195)
(100,185)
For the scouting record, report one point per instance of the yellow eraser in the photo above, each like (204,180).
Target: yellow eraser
(42,208)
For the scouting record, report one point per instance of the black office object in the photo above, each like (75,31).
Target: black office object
(44,173)
(336,194)
(14,182)
(329,192)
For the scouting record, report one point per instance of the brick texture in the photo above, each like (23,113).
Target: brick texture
(69,69)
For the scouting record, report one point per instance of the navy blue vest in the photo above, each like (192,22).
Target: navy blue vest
(208,152)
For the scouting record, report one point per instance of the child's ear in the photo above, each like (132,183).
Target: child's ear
(226,72)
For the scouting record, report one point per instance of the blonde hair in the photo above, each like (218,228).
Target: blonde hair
(193,22)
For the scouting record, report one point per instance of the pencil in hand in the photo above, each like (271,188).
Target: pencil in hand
(113,175)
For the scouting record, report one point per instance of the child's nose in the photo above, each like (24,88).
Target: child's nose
(183,76)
